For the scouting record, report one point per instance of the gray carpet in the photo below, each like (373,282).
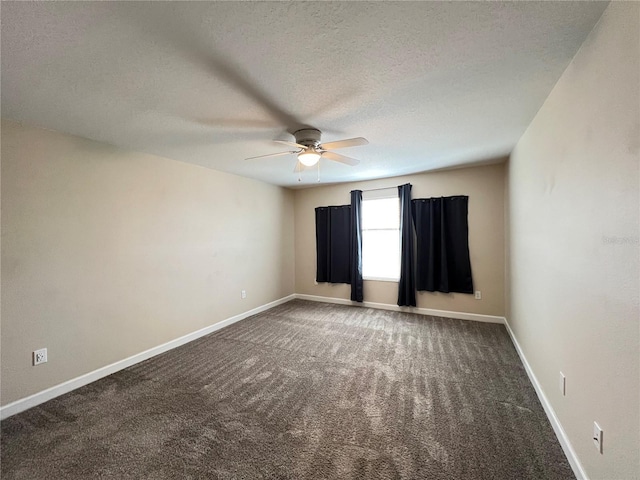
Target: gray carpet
(303,391)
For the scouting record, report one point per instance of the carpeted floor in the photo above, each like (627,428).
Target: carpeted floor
(303,391)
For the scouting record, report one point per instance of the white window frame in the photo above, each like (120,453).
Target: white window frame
(379,195)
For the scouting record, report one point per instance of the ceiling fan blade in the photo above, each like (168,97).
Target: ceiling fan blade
(272,155)
(351,142)
(336,157)
(291,144)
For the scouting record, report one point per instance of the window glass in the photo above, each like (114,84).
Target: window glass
(381,238)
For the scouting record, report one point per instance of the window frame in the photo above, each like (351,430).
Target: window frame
(390,193)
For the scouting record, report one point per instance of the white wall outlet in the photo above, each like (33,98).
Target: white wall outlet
(563,384)
(478,295)
(243,294)
(39,356)
(597,436)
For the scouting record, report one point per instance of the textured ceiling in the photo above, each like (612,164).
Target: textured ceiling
(430,85)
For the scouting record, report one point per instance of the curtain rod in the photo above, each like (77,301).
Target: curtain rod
(381,188)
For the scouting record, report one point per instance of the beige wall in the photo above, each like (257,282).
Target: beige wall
(485,187)
(108,253)
(574,235)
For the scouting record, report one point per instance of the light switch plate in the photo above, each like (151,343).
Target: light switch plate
(597,436)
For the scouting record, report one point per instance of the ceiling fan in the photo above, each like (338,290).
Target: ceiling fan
(309,150)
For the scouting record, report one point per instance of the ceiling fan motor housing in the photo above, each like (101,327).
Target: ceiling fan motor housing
(309,137)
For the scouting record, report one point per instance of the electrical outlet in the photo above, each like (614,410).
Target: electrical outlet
(39,356)
(597,436)
(243,294)
(478,295)
(563,384)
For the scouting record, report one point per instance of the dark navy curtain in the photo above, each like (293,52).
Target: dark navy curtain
(406,286)
(356,246)
(333,244)
(442,244)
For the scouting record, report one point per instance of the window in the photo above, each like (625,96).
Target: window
(381,239)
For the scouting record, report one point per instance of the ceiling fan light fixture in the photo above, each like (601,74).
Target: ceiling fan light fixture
(309,157)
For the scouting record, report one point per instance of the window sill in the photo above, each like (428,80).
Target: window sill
(381,279)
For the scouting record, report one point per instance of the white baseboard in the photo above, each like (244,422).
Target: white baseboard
(570,453)
(421,311)
(65,387)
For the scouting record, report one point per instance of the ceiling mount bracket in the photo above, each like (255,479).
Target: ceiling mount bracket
(309,137)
